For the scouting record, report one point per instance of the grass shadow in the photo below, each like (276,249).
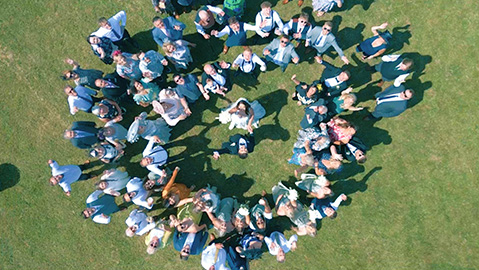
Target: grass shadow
(352,186)
(366,4)
(146,41)
(401,36)
(9,176)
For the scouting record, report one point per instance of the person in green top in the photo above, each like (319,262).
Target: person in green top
(144,93)
(342,103)
(234,8)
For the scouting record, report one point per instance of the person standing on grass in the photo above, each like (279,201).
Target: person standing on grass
(298,28)
(391,102)
(114,29)
(333,81)
(268,22)
(83,77)
(154,157)
(114,88)
(234,8)
(321,39)
(278,245)
(66,175)
(236,32)
(80,98)
(209,18)
(394,68)
(305,94)
(280,52)
(247,64)
(83,134)
(189,90)
(138,223)
(237,145)
(218,72)
(167,30)
(314,114)
(136,193)
(376,45)
(99,209)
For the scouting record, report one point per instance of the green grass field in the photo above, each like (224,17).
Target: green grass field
(413,205)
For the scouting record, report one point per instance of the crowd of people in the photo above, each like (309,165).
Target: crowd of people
(236,232)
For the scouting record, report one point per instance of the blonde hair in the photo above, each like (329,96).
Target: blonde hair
(165,47)
(347,96)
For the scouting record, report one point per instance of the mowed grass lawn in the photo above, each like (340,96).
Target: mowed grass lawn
(413,205)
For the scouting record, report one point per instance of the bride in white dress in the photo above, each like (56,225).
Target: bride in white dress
(242,114)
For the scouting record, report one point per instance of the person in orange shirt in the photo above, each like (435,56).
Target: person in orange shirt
(173,192)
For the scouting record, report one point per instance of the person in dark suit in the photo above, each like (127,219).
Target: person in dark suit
(354,150)
(237,145)
(82,134)
(333,80)
(314,114)
(114,87)
(189,243)
(391,102)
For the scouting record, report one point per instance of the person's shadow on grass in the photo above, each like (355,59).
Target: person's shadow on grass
(9,176)
(401,36)
(352,186)
(273,103)
(347,5)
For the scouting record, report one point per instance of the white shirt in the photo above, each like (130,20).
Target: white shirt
(140,199)
(321,39)
(391,58)
(247,67)
(279,54)
(215,10)
(116,21)
(100,219)
(393,97)
(156,232)
(189,240)
(284,244)
(227,30)
(289,26)
(332,82)
(219,79)
(139,219)
(71,173)
(159,156)
(208,258)
(82,101)
(272,20)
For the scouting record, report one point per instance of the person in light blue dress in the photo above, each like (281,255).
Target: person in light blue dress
(323,6)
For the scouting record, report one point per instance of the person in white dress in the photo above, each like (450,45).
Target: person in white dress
(243,114)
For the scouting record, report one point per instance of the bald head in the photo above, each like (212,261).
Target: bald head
(203,14)
(209,69)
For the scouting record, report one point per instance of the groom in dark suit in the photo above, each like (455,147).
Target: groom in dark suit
(237,145)
(333,80)
(82,134)
(114,88)
(391,102)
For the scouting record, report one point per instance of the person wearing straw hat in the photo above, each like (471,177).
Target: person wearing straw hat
(157,129)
